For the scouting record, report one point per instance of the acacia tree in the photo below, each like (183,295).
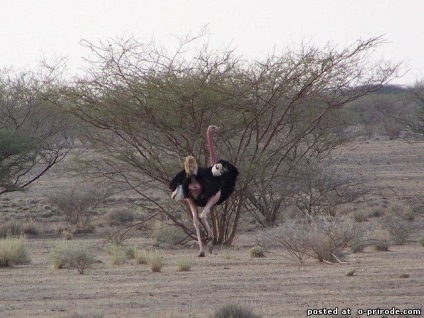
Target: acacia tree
(151,108)
(31,130)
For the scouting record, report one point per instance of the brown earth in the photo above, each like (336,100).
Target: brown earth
(273,286)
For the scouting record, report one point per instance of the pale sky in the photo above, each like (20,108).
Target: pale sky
(32,29)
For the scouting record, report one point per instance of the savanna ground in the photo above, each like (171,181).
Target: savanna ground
(272,286)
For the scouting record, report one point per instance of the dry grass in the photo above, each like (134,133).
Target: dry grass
(183,265)
(13,251)
(66,254)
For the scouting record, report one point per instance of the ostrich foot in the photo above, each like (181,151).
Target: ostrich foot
(201,254)
(210,246)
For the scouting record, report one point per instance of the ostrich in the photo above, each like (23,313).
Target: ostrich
(204,187)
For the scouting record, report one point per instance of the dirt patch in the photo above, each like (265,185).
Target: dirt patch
(272,286)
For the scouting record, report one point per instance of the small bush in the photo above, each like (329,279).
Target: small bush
(405,212)
(84,315)
(234,311)
(120,217)
(131,252)
(156,262)
(183,265)
(67,235)
(323,238)
(13,251)
(350,272)
(168,234)
(118,253)
(360,216)
(10,229)
(65,254)
(382,246)
(398,228)
(422,242)
(142,257)
(30,228)
(257,251)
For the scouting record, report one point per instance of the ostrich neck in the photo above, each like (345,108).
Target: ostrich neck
(212,159)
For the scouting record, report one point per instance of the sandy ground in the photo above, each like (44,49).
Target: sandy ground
(273,286)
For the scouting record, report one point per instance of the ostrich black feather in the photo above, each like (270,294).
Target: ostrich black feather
(224,180)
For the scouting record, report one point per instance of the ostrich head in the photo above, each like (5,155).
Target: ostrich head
(213,129)
(218,170)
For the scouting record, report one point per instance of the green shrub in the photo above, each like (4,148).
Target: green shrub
(156,262)
(10,229)
(422,242)
(257,251)
(66,254)
(13,251)
(118,253)
(183,265)
(131,252)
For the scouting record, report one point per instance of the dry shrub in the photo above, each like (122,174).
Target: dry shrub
(120,217)
(323,238)
(156,262)
(120,253)
(9,229)
(13,251)
(78,205)
(85,315)
(168,234)
(66,254)
(183,265)
(257,251)
(234,311)
(400,229)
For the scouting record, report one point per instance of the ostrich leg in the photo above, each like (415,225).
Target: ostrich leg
(204,218)
(196,223)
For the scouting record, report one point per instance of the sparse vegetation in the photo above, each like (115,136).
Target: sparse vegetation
(398,228)
(183,265)
(257,251)
(382,246)
(142,257)
(167,234)
(234,311)
(67,254)
(13,251)
(78,205)
(350,272)
(120,217)
(10,229)
(155,262)
(85,315)
(282,113)
(323,238)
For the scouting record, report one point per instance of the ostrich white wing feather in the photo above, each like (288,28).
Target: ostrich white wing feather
(178,194)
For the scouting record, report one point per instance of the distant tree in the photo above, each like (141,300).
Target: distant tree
(416,122)
(151,108)
(31,130)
